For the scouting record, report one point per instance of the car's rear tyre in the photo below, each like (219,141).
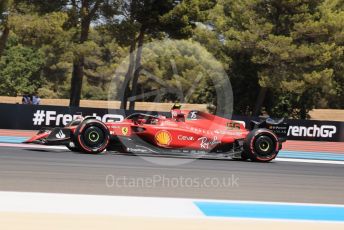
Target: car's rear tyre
(261,145)
(92,136)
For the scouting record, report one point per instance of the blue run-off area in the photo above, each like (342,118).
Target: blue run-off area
(9,139)
(311,155)
(282,153)
(272,211)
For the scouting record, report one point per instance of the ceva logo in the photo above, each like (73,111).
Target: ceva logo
(325,131)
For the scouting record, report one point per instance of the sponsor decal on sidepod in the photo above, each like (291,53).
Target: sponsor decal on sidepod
(60,135)
(185,138)
(163,138)
(206,144)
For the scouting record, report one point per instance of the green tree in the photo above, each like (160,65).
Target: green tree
(155,19)
(333,11)
(139,17)
(53,28)
(81,15)
(4,28)
(46,33)
(282,45)
(20,71)
(100,64)
(194,78)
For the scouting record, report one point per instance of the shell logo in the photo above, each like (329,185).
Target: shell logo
(163,138)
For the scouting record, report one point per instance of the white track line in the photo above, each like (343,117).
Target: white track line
(310,161)
(32,146)
(24,202)
(163,207)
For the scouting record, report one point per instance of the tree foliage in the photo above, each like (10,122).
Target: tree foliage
(287,47)
(24,62)
(283,57)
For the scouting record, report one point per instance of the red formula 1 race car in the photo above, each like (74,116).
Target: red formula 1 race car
(186,133)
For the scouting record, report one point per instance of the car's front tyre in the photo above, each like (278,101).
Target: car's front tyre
(92,136)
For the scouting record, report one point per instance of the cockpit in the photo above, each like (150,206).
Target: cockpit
(142,118)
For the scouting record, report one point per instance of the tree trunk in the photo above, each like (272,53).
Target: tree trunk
(3,39)
(129,75)
(137,68)
(78,67)
(303,113)
(260,101)
(76,83)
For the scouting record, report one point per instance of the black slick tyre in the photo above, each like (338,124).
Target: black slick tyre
(92,136)
(261,145)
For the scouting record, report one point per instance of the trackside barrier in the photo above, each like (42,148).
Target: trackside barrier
(309,130)
(30,117)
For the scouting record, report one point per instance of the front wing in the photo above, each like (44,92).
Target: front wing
(48,136)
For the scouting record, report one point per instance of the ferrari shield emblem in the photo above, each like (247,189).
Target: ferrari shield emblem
(125,131)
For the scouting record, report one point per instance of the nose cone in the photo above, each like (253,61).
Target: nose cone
(37,138)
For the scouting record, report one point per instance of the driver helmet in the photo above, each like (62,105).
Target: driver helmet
(176,112)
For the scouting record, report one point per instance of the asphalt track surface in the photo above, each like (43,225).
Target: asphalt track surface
(61,171)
